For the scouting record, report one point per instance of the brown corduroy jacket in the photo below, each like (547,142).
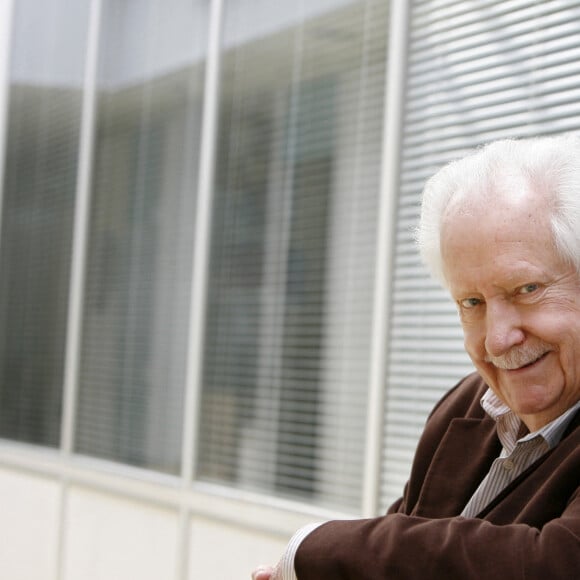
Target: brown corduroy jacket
(530,531)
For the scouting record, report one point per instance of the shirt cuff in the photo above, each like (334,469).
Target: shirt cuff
(286,564)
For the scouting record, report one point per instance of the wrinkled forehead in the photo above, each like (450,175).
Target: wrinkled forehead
(512,227)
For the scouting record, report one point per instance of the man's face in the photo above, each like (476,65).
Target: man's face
(519,304)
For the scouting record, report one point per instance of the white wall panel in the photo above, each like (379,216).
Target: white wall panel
(110,538)
(220,551)
(29,508)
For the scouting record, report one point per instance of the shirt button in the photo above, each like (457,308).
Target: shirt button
(508,465)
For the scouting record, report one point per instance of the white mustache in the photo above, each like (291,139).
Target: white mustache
(520,356)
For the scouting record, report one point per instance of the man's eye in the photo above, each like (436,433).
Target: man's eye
(470,302)
(528,288)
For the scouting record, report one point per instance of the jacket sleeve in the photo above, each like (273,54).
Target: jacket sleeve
(403,547)
(529,532)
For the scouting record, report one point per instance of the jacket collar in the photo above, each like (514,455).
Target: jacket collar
(463,459)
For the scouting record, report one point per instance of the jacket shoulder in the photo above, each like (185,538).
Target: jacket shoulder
(461,402)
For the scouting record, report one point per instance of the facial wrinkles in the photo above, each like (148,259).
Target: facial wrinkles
(520,355)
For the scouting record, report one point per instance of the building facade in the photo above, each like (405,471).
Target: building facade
(214,325)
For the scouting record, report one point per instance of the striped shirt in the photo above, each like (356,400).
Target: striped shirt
(518,453)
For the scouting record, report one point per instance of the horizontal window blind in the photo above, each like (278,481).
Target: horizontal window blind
(292,259)
(38,198)
(139,259)
(478,71)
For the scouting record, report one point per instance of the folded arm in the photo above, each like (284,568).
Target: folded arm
(407,548)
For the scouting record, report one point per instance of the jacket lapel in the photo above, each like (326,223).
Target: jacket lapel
(461,461)
(570,440)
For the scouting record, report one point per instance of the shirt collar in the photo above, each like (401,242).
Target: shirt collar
(508,423)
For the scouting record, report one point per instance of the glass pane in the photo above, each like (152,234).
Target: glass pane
(46,75)
(291,275)
(137,297)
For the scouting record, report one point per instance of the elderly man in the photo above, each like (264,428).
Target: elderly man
(494,489)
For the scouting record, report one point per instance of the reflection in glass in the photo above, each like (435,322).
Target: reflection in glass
(139,259)
(291,272)
(46,74)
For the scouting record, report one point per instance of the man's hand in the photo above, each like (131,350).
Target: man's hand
(265,573)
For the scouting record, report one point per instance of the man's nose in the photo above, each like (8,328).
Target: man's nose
(503,328)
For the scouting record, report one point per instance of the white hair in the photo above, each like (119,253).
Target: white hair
(551,165)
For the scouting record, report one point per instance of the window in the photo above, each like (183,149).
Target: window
(291,272)
(139,260)
(41,163)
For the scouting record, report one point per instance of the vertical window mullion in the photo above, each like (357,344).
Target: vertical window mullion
(202,241)
(395,81)
(80,234)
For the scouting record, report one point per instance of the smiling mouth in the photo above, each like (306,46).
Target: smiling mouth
(521,357)
(529,364)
